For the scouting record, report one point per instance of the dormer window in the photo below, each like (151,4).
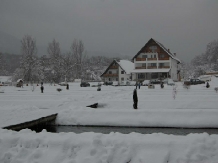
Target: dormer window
(144,56)
(153,49)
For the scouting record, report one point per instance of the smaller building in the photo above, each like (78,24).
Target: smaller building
(118,71)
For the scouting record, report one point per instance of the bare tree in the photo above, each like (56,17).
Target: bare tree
(29,60)
(56,61)
(77,50)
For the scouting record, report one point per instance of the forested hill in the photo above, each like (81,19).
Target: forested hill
(10,63)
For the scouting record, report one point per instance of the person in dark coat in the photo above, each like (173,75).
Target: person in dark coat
(207,85)
(161,85)
(67,87)
(42,88)
(135,99)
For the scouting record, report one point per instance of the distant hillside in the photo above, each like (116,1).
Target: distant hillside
(12,61)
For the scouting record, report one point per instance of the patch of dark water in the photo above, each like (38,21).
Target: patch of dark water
(125,130)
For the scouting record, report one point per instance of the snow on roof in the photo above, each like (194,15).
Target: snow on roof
(170,54)
(5,78)
(126,65)
(149,70)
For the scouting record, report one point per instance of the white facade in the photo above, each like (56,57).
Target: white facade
(155,61)
(118,71)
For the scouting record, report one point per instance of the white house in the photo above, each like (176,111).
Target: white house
(155,61)
(5,80)
(118,71)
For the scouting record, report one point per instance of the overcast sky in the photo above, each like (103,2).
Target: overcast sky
(118,26)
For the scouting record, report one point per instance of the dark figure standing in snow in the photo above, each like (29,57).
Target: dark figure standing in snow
(136,84)
(67,87)
(139,85)
(42,88)
(161,85)
(135,99)
(207,85)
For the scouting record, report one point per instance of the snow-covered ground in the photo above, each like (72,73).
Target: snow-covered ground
(195,107)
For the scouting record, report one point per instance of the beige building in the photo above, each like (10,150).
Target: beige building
(155,61)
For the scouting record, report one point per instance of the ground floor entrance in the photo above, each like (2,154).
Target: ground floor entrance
(149,76)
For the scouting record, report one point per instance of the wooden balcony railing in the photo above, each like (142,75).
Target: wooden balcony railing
(110,75)
(114,67)
(164,66)
(140,59)
(151,59)
(140,68)
(163,58)
(152,67)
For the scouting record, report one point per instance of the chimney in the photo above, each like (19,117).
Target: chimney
(168,50)
(174,54)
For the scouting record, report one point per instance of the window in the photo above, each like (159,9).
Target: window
(122,79)
(110,72)
(154,75)
(162,56)
(153,65)
(154,56)
(109,79)
(122,72)
(143,64)
(116,79)
(161,64)
(141,76)
(153,49)
(144,56)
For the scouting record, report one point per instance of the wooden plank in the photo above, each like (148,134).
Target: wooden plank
(43,120)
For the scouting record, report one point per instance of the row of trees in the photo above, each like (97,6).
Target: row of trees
(203,63)
(56,66)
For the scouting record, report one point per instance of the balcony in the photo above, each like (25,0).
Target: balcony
(163,58)
(114,67)
(152,59)
(140,67)
(110,75)
(152,67)
(164,67)
(140,59)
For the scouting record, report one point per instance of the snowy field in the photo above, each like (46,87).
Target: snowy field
(196,107)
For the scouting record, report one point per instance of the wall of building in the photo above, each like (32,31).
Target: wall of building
(124,76)
(173,71)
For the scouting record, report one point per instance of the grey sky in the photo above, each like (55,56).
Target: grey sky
(120,26)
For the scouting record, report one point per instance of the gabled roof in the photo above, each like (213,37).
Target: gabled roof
(161,46)
(125,65)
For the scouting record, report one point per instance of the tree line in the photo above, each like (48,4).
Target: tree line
(200,64)
(75,64)
(57,66)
